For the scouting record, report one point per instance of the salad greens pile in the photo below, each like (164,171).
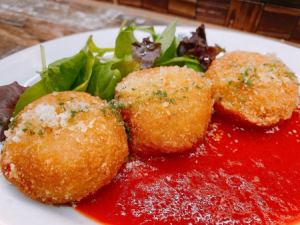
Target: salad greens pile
(92,71)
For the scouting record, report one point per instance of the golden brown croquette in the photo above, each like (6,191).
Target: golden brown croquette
(167,108)
(64,147)
(253,88)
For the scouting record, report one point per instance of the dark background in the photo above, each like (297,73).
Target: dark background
(274,18)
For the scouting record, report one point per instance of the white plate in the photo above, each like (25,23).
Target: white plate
(16,209)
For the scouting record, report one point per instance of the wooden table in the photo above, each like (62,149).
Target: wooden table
(24,23)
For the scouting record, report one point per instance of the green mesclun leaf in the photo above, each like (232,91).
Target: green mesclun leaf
(195,66)
(62,74)
(167,37)
(91,46)
(109,91)
(126,38)
(34,92)
(168,43)
(84,79)
(59,76)
(90,70)
(148,29)
(183,61)
(126,65)
(124,41)
(168,54)
(100,78)
(104,80)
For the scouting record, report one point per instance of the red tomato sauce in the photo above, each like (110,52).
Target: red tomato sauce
(236,176)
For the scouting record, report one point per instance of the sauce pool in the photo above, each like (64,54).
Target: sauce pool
(236,176)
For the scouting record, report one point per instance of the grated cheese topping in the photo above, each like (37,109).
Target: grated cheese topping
(54,116)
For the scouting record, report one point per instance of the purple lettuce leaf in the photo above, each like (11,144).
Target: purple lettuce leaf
(146,52)
(196,46)
(9,95)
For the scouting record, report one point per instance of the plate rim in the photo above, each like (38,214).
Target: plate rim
(113,29)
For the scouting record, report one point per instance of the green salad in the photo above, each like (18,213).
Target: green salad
(97,70)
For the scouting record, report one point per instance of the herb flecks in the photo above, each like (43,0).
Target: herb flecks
(113,108)
(247,77)
(171,100)
(160,94)
(62,106)
(40,133)
(116,104)
(163,95)
(73,113)
(290,75)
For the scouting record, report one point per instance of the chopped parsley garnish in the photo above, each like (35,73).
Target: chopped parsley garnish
(160,93)
(73,113)
(171,100)
(62,106)
(116,104)
(290,74)
(113,107)
(164,95)
(40,133)
(24,129)
(248,76)
(91,71)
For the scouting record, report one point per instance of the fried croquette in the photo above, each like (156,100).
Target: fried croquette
(253,88)
(166,108)
(64,147)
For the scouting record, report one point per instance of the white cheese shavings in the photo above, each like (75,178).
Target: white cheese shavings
(76,106)
(48,116)
(81,126)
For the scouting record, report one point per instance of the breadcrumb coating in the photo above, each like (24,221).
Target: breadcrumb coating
(167,108)
(64,147)
(253,88)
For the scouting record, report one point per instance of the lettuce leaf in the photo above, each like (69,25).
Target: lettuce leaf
(184,61)
(90,71)
(196,46)
(104,80)
(124,41)
(9,95)
(92,47)
(146,52)
(32,93)
(168,42)
(83,80)
(62,74)
(59,76)
(126,65)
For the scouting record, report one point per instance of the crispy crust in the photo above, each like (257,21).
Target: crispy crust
(168,109)
(253,89)
(64,165)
